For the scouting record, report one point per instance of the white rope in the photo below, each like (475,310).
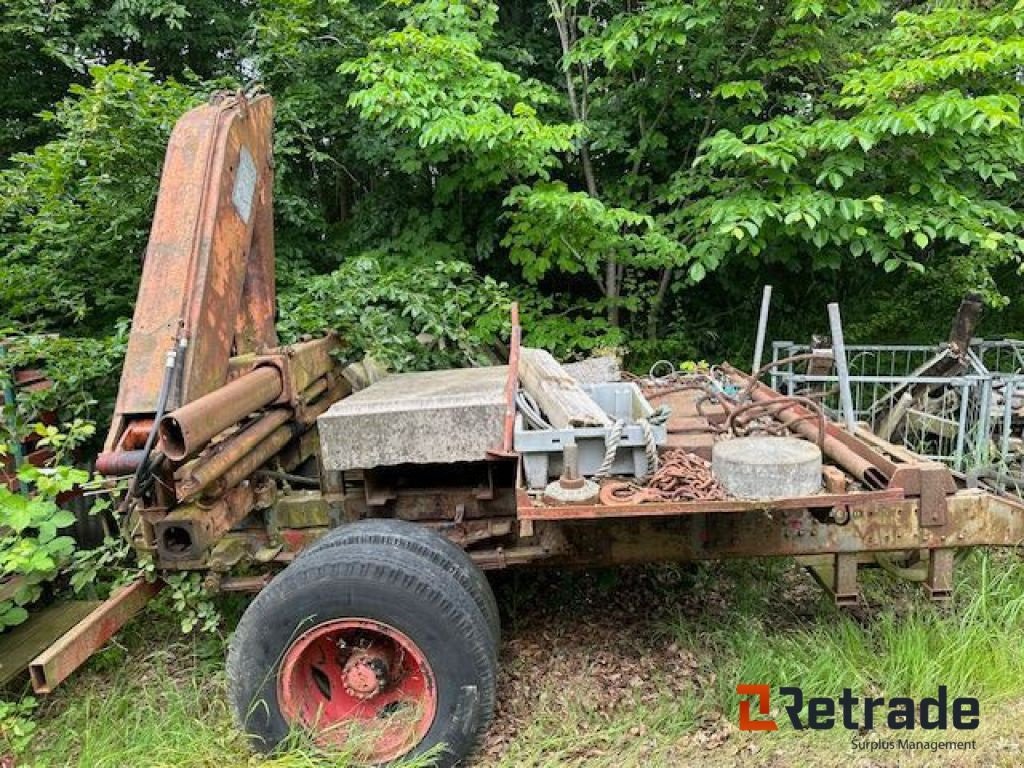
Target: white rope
(611,448)
(650,447)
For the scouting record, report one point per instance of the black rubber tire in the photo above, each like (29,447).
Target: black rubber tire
(423,542)
(369,581)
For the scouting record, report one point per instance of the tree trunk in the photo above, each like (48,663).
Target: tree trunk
(611,281)
(656,304)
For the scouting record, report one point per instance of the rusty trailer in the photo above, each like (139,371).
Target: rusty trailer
(372,610)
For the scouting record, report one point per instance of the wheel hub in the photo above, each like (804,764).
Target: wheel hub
(367,672)
(350,674)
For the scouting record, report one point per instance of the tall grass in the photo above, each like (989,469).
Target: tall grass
(899,645)
(158,700)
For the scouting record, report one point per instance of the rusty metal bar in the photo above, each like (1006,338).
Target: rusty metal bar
(191,529)
(226,454)
(185,431)
(527,511)
(308,413)
(313,391)
(62,658)
(512,382)
(976,519)
(798,419)
(256,458)
(118,463)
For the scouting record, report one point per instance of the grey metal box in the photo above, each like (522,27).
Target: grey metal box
(541,449)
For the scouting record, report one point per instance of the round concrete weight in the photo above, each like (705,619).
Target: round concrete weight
(767,467)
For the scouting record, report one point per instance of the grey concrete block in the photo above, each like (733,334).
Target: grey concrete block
(767,467)
(434,417)
(594,370)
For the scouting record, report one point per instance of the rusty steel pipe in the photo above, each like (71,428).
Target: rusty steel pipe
(253,460)
(185,431)
(119,463)
(841,454)
(796,419)
(228,453)
(313,391)
(309,414)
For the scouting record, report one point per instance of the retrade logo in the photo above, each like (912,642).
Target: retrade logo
(821,713)
(762,694)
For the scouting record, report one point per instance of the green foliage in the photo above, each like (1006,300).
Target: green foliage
(17,728)
(553,228)
(429,86)
(407,316)
(297,46)
(32,550)
(650,161)
(46,47)
(191,602)
(82,372)
(74,213)
(110,563)
(567,327)
(913,156)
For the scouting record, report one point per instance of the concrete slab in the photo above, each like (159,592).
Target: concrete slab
(433,417)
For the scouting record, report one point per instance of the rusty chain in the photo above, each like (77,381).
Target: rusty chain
(682,476)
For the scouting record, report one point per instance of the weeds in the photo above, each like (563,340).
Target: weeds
(638,668)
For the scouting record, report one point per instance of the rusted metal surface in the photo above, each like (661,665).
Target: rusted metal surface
(307,412)
(837,574)
(976,519)
(217,174)
(118,463)
(473,531)
(243,583)
(188,429)
(299,450)
(933,483)
(260,455)
(760,416)
(51,667)
(21,644)
(306,362)
(858,459)
(939,581)
(218,460)
(299,509)
(187,532)
(529,510)
(834,479)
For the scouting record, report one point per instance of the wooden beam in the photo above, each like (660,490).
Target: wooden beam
(558,394)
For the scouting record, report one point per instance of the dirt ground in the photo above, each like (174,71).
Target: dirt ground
(594,672)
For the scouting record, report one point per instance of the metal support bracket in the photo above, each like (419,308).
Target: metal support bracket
(939,583)
(932,483)
(837,575)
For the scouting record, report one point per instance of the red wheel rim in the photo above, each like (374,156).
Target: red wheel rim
(349,676)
